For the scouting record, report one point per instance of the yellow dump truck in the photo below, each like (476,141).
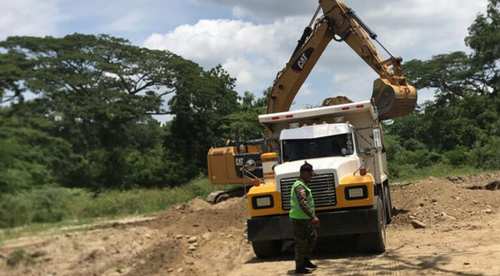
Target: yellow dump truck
(344,143)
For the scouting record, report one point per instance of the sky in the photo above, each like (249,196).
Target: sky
(253,39)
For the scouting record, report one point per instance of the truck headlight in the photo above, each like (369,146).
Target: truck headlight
(356,192)
(262,202)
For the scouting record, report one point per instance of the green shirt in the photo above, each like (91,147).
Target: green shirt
(296,208)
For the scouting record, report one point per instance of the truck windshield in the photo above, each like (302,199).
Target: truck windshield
(317,148)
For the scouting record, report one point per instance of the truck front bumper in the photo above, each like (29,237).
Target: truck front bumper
(333,223)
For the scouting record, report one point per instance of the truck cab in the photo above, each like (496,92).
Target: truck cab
(344,145)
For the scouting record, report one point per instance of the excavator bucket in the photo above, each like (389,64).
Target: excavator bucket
(393,101)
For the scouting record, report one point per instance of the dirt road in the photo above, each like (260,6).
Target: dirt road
(461,237)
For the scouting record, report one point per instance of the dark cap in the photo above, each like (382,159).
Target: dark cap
(306,167)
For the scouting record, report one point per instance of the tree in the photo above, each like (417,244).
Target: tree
(484,40)
(202,102)
(243,124)
(98,91)
(12,69)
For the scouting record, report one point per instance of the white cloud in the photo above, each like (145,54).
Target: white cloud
(250,52)
(28,17)
(254,52)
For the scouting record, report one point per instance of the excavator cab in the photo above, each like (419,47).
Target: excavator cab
(229,165)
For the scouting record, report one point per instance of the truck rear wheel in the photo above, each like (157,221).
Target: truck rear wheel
(266,249)
(375,242)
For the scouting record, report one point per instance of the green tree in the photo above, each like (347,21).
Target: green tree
(202,102)
(484,40)
(99,91)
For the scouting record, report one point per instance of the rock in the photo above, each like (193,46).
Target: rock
(466,263)
(179,237)
(492,186)
(142,262)
(192,239)
(475,202)
(488,211)
(170,270)
(180,270)
(206,236)
(446,216)
(189,262)
(229,236)
(421,204)
(412,217)
(39,253)
(67,235)
(180,207)
(94,254)
(434,200)
(196,225)
(147,236)
(192,247)
(418,224)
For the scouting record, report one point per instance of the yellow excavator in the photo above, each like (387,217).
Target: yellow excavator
(392,95)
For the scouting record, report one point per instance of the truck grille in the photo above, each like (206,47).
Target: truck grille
(321,185)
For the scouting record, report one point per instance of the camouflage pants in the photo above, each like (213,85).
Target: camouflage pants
(305,235)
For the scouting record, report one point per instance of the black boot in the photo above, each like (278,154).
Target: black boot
(309,264)
(302,270)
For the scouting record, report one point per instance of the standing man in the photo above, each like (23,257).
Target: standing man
(304,220)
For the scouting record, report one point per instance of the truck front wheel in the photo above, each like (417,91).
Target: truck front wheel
(375,242)
(266,249)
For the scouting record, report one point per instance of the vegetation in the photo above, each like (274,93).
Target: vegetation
(79,138)
(55,204)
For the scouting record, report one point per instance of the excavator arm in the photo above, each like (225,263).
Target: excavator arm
(392,94)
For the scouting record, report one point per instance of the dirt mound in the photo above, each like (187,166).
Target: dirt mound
(437,202)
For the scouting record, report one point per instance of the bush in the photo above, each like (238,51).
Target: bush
(39,206)
(487,156)
(457,157)
(52,204)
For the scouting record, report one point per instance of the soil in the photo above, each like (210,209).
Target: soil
(461,236)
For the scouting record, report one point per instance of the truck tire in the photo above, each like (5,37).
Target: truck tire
(374,243)
(266,249)
(388,203)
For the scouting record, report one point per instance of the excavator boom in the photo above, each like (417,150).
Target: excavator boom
(392,95)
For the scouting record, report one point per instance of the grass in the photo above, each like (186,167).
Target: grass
(43,209)
(19,256)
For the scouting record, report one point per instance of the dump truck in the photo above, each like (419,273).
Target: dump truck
(344,144)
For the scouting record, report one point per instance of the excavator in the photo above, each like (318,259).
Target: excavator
(392,95)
